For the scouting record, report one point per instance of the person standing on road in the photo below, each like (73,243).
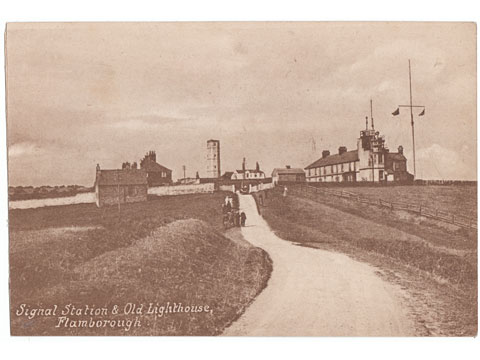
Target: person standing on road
(243,218)
(285,191)
(237,218)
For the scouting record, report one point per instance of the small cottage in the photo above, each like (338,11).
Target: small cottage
(288,175)
(157,174)
(247,174)
(113,187)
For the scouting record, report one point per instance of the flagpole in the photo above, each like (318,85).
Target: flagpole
(411,106)
(411,116)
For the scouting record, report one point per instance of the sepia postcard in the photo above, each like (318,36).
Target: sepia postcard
(242,178)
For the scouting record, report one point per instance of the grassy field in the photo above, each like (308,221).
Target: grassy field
(452,199)
(164,251)
(437,263)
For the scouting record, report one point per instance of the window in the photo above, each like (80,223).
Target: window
(324,170)
(342,167)
(380,174)
(380,159)
(331,169)
(349,166)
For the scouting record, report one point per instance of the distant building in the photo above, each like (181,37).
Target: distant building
(213,159)
(396,166)
(371,161)
(113,187)
(227,175)
(157,174)
(247,174)
(288,175)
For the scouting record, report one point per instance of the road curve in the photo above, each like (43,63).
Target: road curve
(314,292)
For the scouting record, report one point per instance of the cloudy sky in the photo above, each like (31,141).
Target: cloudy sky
(277,93)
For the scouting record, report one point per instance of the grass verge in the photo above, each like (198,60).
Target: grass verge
(437,265)
(162,252)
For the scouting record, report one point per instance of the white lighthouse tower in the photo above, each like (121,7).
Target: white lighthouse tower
(213,159)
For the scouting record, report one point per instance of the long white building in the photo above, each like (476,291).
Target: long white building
(371,161)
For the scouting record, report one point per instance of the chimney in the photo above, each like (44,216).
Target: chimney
(325,153)
(243,164)
(287,166)
(153,156)
(400,149)
(342,150)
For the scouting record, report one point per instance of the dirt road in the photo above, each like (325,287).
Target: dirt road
(314,292)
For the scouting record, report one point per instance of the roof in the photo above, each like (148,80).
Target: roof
(396,156)
(289,171)
(249,170)
(122,177)
(152,166)
(346,157)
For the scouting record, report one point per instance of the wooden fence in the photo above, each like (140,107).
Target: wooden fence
(437,214)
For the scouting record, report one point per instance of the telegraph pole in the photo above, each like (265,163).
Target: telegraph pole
(372,156)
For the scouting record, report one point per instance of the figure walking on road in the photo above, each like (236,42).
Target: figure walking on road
(243,218)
